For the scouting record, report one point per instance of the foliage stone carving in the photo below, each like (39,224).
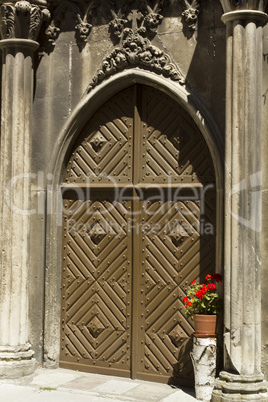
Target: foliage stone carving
(135,49)
(22,20)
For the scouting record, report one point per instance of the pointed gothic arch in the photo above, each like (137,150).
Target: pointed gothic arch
(84,110)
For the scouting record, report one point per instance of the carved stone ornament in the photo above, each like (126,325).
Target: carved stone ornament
(146,13)
(52,33)
(81,10)
(83,28)
(135,49)
(235,5)
(22,20)
(191,13)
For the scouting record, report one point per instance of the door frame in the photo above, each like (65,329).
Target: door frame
(76,121)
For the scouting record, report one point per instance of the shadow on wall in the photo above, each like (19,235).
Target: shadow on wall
(183,374)
(206,74)
(206,79)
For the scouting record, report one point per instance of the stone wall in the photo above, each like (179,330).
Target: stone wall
(62,73)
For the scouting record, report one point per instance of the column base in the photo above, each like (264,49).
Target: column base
(16,361)
(234,387)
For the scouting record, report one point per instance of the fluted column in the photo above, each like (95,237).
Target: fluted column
(19,24)
(242,378)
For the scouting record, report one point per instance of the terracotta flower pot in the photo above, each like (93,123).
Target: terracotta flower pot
(205,325)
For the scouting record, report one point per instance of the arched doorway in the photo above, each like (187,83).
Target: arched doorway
(139,212)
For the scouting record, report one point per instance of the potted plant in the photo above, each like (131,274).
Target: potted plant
(203,305)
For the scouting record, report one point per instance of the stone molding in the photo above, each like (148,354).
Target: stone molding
(31,45)
(246,15)
(20,352)
(235,5)
(251,387)
(41,3)
(21,20)
(86,108)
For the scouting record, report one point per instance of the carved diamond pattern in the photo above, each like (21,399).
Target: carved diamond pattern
(171,147)
(99,271)
(95,327)
(167,271)
(177,235)
(96,283)
(97,141)
(97,233)
(105,146)
(179,139)
(175,335)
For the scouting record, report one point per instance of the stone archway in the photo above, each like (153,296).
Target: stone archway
(139,224)
(85,109)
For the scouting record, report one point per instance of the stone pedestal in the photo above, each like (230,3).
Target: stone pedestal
(204,362)
(242,378)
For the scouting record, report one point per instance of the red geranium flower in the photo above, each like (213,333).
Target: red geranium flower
(203,298)
(211,286)
(204,288)
(200,294)
(217,277)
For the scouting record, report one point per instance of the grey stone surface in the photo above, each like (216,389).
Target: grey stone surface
(243,212)
(16,356)
(66,385)
(264,277)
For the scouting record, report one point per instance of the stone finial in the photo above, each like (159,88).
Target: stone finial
(83,28)
(22,19)
(190,14)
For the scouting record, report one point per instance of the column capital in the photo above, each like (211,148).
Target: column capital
(22,19)
(259,17)
(239,5)
(18,43)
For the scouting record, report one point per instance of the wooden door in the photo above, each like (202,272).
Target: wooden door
(138,227)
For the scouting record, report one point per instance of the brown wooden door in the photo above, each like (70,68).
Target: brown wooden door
(138,227)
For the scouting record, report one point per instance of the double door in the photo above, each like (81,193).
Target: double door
(138,227)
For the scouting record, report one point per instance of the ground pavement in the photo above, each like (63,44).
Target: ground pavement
(61,385)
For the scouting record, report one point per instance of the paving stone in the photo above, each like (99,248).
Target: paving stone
(150,392)
(116,387)
(72,386)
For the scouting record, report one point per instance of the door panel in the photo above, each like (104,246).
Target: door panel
(104,149)
(172,245)
(172,148)
(139,226)
(96,286)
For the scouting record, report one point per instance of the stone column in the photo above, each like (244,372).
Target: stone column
(242,378)
(19,24)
